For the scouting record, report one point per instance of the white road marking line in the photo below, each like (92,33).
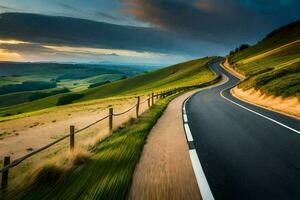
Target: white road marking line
(188,133)
(203,186)
(268,118)
(200,176)
(185,119)
(198,170)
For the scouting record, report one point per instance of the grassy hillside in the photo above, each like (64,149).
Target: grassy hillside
(21,97)
(20,81)
(273,64)
(184,74)
(106,173)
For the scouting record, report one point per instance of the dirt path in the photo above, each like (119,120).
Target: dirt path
(165,170)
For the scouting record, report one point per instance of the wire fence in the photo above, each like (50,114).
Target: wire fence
(7,163)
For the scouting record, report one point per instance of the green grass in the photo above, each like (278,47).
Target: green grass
(22,97)
(279,37)
(276,73)
(183,74)
(281,82)
(75,77)
(105,174)
(275,60)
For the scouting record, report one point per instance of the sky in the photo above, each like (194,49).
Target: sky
(135,31)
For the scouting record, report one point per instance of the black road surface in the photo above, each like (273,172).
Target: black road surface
(244,155)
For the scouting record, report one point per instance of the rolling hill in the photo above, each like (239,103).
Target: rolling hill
(273,64)
(184,74)
(115,156)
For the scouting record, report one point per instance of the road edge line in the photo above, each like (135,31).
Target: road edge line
(252,103)
(257,113)
(203,185)
(263,106)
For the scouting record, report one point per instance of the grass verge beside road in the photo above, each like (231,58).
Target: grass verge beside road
(105,173)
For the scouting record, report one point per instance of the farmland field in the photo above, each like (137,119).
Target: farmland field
(39,85)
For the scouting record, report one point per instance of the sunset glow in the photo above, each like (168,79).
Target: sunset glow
(9,56)
(13,42)
(99,51)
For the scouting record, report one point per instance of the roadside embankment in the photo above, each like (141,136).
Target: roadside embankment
(231,69)
(288,106)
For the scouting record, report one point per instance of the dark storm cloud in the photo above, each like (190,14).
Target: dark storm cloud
(84,33)
(105,15)
(225,21)
(180,27)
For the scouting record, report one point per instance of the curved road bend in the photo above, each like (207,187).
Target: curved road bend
(244,155)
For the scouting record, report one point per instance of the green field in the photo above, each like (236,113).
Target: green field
(273,64)
(20,81)
(184,74)
(106,171)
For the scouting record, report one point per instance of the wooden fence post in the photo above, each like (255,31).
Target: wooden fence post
(111,113)
(149,101)
(4,181)
(72,137)
(152,98)
(137,107)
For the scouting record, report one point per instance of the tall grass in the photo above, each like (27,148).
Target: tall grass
(105,173)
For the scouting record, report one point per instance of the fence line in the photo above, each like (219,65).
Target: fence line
(126,111)
(150,100)
(8,164)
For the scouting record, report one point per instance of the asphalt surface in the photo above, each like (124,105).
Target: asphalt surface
(244,155)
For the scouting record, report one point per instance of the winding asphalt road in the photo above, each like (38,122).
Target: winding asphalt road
(245,154)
